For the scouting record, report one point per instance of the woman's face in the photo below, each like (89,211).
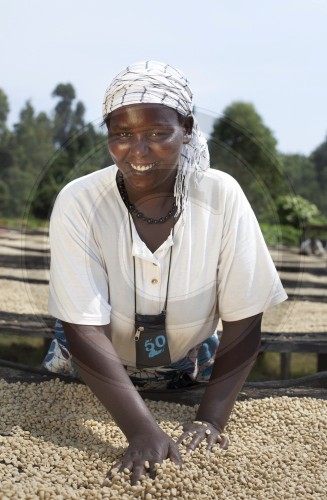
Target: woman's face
(145,141)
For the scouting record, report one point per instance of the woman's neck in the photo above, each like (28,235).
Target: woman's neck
(153,197)
(154,205)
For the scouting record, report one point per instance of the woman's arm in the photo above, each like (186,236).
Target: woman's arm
(101,369)
(235,356)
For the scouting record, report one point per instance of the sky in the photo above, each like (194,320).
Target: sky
(270,53)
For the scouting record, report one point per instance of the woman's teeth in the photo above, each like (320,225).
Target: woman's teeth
(142,168)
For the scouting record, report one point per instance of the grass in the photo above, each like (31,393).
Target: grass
(31,351)
(26,350)
(267,366)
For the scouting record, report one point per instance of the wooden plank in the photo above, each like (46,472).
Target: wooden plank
(26,325)
(289,346)
(314,386)
(294,342)
(24,332)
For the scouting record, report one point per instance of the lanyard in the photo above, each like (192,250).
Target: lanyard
(171,248)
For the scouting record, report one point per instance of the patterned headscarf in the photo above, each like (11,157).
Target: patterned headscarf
(159,83)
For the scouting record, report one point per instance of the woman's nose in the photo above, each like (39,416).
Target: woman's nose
(140,146)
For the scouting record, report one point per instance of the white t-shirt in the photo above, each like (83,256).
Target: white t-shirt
(220,264)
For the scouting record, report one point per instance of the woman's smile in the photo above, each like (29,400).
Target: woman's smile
(142,168)
(145,141)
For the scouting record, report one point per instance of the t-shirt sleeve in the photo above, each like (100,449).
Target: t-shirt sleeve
(248,282)
(78,290)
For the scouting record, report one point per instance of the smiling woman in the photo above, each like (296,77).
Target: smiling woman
(146,141)
(146,256)
(147,138)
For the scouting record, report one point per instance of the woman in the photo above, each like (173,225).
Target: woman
(146,255)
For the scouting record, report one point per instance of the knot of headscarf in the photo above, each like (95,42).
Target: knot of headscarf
(159,83)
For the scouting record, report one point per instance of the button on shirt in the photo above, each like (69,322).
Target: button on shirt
(151,273)
(220,265)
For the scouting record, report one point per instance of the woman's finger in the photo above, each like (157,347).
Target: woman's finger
(175,456)
(126,464)
(182,438)
(211,440)
(224,442)
(152,470)
(137,472)
(196,441)
(116,465)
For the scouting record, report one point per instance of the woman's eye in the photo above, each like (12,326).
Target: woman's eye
(158,134)
(124,134)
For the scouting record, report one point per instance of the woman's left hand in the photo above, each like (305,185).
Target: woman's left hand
(200,431)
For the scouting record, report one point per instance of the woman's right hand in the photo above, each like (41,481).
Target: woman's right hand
(102,370)
(144,451)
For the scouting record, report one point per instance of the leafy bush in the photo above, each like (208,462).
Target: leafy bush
(275,234)
(296,211)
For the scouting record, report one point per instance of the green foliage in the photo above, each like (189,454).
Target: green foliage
(42,153)
(242,129)
(267,366)
(302,175)
(4,109)
(26,350)
(84,153)
(6,159)
(296,211)
(243,146)
(64,114)
(319,159)
(4,196)
(19,184)
(78,142)
(25,152)
(275,234)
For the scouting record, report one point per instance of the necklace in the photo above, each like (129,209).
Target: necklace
(134,211)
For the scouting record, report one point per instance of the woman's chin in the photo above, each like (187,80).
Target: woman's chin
(150,179)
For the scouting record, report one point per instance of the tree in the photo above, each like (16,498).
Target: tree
(4,110)
(301,173)
(5,155)
(319,159)
(4,198)
(31,147)
(63,118)
(243,146)
(43,153)
(33,140)
(79,149)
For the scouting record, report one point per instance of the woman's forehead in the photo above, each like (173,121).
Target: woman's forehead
(139,113)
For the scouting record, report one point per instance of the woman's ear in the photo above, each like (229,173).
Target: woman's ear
(188,125)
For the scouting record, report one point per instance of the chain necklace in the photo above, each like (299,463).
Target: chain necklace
(134,211)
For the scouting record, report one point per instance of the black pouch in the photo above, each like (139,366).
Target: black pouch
(151,341)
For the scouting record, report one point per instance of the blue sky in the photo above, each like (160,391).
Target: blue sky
(271,53)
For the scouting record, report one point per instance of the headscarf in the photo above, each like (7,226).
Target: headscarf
(159,83)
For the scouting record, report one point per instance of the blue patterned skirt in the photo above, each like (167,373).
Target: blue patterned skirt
(196,367)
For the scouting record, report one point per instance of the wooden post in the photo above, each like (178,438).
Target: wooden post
(285,365)
(322,362)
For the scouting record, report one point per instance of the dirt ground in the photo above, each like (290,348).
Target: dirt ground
(24,261)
